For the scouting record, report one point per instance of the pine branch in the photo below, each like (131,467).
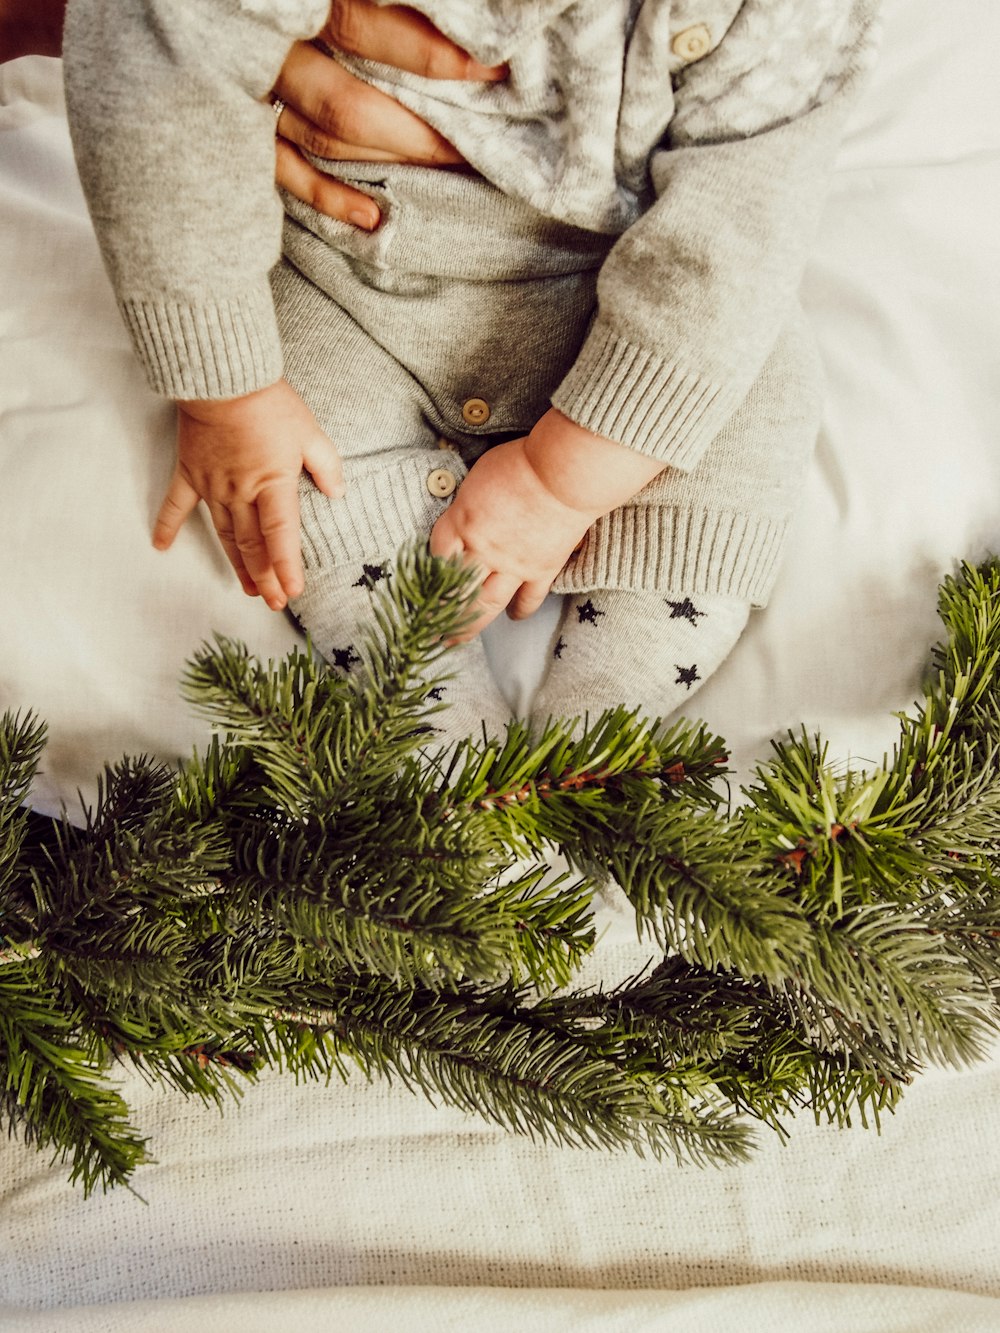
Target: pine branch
(713,1030)
(407,930)
(22,740)
(880,972)
(309,730)
(697,885)
(847,839)
(53,1093)
(965,662)
(486,1053)
(325,887)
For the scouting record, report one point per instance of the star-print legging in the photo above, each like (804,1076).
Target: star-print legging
(647,651)
(337,611)
(642,649)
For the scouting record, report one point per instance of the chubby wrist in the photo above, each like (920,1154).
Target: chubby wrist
(585,471)
(211,411)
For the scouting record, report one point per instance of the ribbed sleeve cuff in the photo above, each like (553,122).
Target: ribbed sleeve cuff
(220,349)
(687,550)
(384,507)
(628,394)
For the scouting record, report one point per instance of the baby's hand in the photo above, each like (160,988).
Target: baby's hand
(243,457)
(526,505)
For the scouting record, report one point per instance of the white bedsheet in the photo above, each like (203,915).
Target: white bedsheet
(315,1208)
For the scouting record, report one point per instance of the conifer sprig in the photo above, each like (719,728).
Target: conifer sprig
(493,1053)
(326,888)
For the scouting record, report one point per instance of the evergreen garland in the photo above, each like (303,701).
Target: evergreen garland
(322,891)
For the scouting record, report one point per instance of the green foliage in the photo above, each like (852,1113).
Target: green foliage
(323,890)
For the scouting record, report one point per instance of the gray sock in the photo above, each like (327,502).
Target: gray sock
(336,611)
(641,649)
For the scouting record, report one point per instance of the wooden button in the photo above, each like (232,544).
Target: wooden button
(692,43)
(476,411)
(441,483)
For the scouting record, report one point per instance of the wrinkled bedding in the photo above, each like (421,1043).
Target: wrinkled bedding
(353,1206)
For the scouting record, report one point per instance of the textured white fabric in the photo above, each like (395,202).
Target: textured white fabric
(822,1307)
(357,1207)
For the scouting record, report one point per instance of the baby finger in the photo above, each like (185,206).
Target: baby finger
(179,503)
(494,595)
(526,601)
(223,523)
(278,518)
(252,548)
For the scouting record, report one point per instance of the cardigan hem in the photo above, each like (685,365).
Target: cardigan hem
(660,548)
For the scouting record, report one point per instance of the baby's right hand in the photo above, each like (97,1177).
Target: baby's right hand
(243,457)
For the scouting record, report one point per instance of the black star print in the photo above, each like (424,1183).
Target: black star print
(344,658)
(588,612)
(684,610)
(372,574)
(686,676)
(436,693)
(557,651)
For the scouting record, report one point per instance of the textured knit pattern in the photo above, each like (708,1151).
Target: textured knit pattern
(779,61)
(645,651)
(596,84)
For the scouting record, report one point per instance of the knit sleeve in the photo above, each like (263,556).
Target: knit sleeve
(693,296)
(175,150)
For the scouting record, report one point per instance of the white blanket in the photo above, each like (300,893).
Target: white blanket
(357,1206)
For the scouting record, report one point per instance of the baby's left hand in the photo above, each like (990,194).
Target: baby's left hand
(525,507)
(507,524)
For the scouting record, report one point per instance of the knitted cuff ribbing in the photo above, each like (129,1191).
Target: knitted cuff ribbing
(628,394)
(385,507)
(220,349)
(661,549)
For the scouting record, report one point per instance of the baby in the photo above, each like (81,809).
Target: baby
(579,365)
